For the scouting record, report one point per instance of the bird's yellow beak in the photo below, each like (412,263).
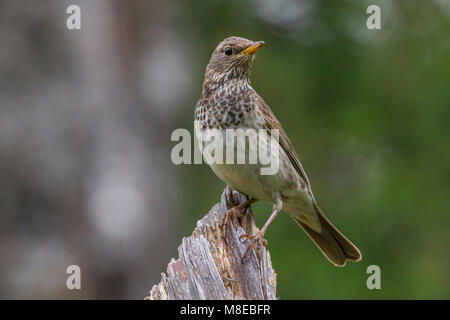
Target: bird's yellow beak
(252,49)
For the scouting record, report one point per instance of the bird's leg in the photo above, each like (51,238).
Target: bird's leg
(234,213)
(258,238)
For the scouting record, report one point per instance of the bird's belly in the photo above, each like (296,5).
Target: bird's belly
(244,178)
(249,177)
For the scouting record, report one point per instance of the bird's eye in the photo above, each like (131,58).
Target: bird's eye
(228,51)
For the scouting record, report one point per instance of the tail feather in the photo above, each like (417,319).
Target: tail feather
(333,244)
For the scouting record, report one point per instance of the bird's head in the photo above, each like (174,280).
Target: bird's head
(232,59)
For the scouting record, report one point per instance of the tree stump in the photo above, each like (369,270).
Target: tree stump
(207,268)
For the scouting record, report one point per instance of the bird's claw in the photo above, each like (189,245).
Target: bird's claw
(257,239)
(232,214)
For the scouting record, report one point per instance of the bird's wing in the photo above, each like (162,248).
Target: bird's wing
(273,123)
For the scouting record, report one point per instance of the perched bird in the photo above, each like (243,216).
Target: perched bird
(228,101)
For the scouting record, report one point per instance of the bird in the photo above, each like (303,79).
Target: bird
(229,102)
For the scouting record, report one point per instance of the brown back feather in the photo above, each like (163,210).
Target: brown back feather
(286,144)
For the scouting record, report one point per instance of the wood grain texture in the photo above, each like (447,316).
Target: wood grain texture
(207,268)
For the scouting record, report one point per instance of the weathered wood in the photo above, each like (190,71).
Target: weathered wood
(208,268)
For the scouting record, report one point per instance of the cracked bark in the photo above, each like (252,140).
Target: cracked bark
(209,269)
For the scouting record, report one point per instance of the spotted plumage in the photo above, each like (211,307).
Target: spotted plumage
(225,107)
(228,101)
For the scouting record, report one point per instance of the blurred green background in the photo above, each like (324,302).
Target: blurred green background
(367,110)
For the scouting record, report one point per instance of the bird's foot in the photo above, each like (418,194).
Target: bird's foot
(233,214)
(256,240)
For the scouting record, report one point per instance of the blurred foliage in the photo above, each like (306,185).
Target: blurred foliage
(370,121)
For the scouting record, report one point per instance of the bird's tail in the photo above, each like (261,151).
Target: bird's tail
(333,244)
